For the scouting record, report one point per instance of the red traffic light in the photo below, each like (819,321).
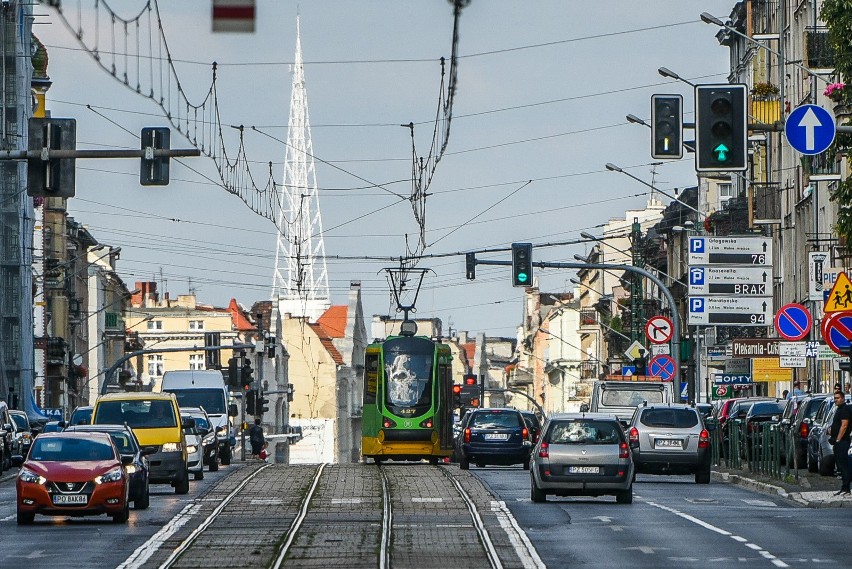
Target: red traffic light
(456,389)
(470,380)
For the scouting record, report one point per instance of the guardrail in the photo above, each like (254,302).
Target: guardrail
(760,448)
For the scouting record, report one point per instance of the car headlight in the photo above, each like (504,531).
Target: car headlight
(31,477)
(113,475)
(131,469)
(190,449)
(171,447)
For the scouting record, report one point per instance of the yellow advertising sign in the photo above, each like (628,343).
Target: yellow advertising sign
(840,297)
(769,369)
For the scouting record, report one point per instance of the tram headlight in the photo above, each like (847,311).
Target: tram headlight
(388,423)
(427,424)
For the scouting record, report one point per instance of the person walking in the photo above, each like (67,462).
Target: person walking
(256,438)
(840,438)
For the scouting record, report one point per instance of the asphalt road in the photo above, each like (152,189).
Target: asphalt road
(675,523)
(96,541)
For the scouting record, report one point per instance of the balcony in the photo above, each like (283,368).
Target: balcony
(114,326)
(818,51)
(764,19)
(766,203)
(588,317)
(588,370)
(821,167)
(766,110)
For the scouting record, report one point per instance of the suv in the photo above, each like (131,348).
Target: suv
(582,455)
(493,436)
(23,432)
(7,432)
(533,424)
(670,439)
(800,426)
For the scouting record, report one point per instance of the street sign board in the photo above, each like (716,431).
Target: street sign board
(738,366)
(769,369)
(627,371)
(730,251)
(793,361)
(53,414)
(659,330)
(793,322)
(730,311)
(732,379)
(744,281)
(840,297)
(810,129)
(837,333)
(817,261)
(755,348)
(633,352)
(795,349)
(663,366)
(657,349)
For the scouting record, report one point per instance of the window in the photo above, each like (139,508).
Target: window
(155,325)
(196,324)
(196,361)
(726,192)
(674,418)
(155,365)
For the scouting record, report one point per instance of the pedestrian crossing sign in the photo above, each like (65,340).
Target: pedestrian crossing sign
(840,297)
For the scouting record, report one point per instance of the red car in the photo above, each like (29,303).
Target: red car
(72,474)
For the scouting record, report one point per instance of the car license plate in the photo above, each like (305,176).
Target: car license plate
(72,499)
(496,437)
(669,443)
(584,469)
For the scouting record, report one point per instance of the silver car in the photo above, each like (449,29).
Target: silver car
(582,454)
(670,439)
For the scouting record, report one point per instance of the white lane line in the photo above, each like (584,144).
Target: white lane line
(9,518)
(427,500)
(775,561)
(517,537)
(147,549)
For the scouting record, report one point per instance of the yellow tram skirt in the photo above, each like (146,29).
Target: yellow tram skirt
(371,447)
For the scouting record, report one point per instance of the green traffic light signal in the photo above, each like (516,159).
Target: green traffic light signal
(521,264)
(721,128)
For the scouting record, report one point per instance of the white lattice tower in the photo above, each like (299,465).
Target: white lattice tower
(301,277)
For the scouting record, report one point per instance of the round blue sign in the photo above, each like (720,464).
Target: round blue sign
(663,366)
(793,322)
(810,129)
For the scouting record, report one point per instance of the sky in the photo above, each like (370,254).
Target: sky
(543,91)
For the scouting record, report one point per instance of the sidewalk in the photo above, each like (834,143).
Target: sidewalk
(810,490)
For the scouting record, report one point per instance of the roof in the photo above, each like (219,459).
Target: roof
(469,349)
(135,396)
(238,317)
(326,342)
(333,321)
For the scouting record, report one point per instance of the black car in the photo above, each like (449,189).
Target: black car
(533,424)
(800,427)
(493,436)
(54,427)
(759,417)
(81,416)
(128,446)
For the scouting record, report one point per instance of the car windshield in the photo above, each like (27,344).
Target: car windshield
(21,421)
(674,418)
(70,450)
(813,407)
(212,400)
(81,417)
(769,408)
(630,397)
(52,427)
(495,420)
(137,413)
(124,442)
(201,422)
(586,432)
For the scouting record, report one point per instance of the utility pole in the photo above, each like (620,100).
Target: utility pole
(243,414)
(636,300)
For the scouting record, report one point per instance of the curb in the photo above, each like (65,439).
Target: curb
(9,476)
(772,490)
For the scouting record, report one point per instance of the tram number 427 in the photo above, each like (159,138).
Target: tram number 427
(758,259)
(758,318)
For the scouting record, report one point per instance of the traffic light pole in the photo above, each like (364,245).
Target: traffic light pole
(48,154)
(676,332)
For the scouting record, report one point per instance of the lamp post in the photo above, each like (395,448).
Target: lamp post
(613,168)
(666,72)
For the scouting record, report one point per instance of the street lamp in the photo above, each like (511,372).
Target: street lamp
(613,168)
(666,72)
(636,120)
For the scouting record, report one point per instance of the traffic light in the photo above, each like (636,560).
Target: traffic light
(522,264)
(720,128)
(154,171)
(470,265)
(54,177)
(290,392)
(847,365)
(234,373)
(246,373)
(262,404)
(666,126)
(470,392)
(251,401)
(457,389)
(212,358)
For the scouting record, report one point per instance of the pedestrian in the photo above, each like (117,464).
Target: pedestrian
(839,437)
(256,439)
(785,394)
(848,388)
(797,390)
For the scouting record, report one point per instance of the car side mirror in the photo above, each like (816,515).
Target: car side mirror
(203,432)
(584,408)
(7,427)
(187,423)
(126,459)
(62,424)
(806,421)
(232,410)
(145,451)
(17,460)
(775,418)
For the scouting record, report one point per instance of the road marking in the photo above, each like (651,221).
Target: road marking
(9,518)
(266,501)
(524,548)
(616,528)
(762,503)
(436,500)
(144,552)
(338,501)
(647,550)
(775,561)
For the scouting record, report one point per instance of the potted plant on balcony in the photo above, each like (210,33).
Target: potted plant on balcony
(839,93)
(764,91)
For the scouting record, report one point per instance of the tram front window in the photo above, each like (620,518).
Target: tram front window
(408,373)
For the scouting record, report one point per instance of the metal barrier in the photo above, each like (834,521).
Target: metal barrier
(758,449)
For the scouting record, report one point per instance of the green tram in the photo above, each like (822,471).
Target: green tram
(408,400)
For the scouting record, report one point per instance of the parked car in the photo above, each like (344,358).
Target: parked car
(23,433)
(128,446)
(582,454)
(760,415)
(732,425)
(194,446)
(6,434)
(799,429)
(533,424)
(72,474)
(209,440)
(493,436)
(670,439)
(820,451)
(81,416)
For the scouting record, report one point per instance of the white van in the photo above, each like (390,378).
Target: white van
(621,398)
(207,389)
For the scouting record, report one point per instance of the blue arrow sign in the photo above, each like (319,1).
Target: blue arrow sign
(810,129)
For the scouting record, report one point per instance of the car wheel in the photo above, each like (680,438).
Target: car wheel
(702,476)
(625,496)
(537,495)
(464,463)
(198,475)
(377,460)
(527,464)
(214,462)
(182,485)
(25,518)
(226,457)
(123,516)
(825,465)
(812,464)
(433,460)
(144,501)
